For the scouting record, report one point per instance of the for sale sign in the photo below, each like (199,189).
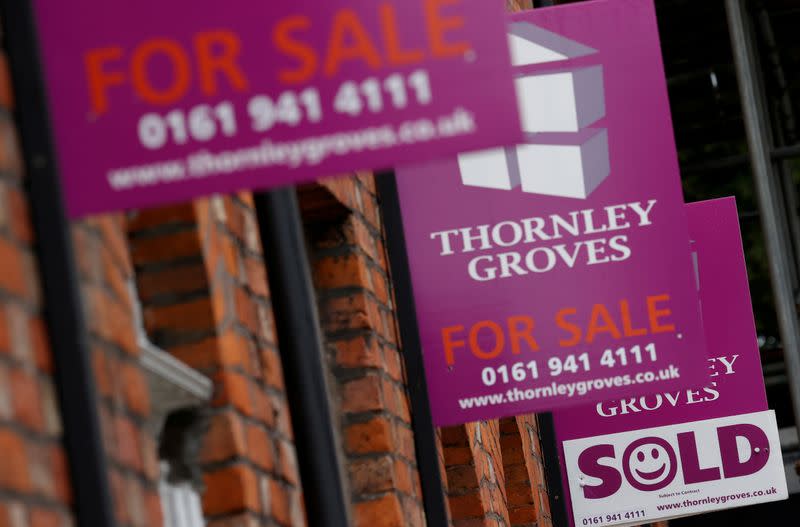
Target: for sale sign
(557,271)
(674,453)
(156,101)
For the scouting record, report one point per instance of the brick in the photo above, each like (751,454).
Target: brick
(161,216)
(512,449)
(288,462)
(13,278)
(272,371)
(225,438)
(381,512)
(119,495)
(342,188)
(367,180)
(19,215)
(86,251)
(44,518)
(134,500)
(256,276)
(10,152)
(151,465)
(461,478)
(168,247)
(403,404)
(234,389)
(127,446)
(371,213)
(348,313)
(522,515)
(101,370)
(49,472)
(26,401)
(259,447)
(380,286)
(230,489)
(372,475)
(246,310)
(171,282)
(193,315)
(109,319)
(403,479)
(50,409)
(342,271)
(14,467)
(40,344)
(359,352)
(5,332)
(394,365)
(135,390)
(153,511)
(373,436)
(459,455)
(6,406)
(280,506)
(404,442)
(238,520)
(465,506)
(362,395)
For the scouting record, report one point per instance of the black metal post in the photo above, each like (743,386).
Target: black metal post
(300,343)
(63,312)
(424,431)
(551,458)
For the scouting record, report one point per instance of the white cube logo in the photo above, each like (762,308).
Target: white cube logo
(493,168)
(568,170)
(563,156)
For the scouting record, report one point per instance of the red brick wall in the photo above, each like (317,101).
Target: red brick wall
(104,267)
(494,474)
(201,278)
(352,279)
(34,483)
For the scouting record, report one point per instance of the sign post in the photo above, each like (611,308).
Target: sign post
(674,453)
(300,345)
(64,314)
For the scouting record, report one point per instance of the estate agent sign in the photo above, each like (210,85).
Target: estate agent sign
(155,101)
(557,271)
(641,459)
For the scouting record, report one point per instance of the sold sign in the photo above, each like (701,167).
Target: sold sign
(156,102)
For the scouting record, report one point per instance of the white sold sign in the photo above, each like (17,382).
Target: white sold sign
(675,470)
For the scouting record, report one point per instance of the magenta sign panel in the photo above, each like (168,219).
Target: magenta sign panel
(155,102)
(678,452)
(558,270)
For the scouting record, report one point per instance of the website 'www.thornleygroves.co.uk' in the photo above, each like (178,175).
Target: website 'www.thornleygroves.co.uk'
(293,154)
(570,389)
(717,500)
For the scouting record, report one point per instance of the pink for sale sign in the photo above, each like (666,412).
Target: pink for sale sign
(557,271)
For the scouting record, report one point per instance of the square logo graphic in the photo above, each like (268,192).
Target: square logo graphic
(564,153)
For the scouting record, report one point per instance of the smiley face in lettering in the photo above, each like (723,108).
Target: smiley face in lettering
(649,463)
